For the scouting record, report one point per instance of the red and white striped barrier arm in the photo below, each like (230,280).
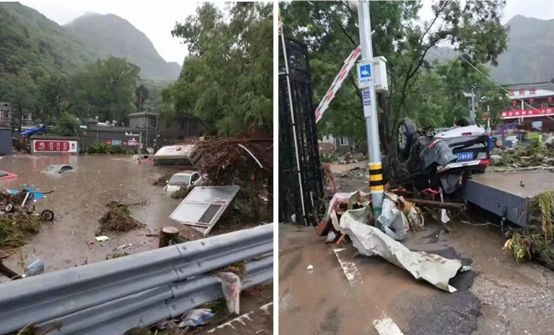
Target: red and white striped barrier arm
(337,83)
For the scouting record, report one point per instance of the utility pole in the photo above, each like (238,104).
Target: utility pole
(472,111)
(375,167)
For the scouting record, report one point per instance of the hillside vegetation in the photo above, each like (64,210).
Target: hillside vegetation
(110,35)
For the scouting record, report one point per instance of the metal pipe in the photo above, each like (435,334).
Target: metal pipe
(438,204)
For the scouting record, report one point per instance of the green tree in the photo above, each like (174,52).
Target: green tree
(67,125)
(330,30)
(141,95)
(53,95)
(21,94)
(105,89)
(227,77)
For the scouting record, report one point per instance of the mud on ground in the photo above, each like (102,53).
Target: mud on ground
(501,297)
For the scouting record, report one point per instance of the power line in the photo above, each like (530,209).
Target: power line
(495,83)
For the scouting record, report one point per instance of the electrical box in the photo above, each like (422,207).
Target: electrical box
(380,74)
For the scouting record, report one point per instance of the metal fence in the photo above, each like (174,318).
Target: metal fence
(298,148)
(112,296)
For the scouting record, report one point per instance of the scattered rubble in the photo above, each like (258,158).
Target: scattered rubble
(162,180)
(15,228)
(118,218)
(370,241)
(532,156)
(182,192)
(18,221)
(536,243)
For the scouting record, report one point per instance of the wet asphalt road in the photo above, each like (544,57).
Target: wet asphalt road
(500,297)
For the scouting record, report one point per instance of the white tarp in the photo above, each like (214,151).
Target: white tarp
(370,241)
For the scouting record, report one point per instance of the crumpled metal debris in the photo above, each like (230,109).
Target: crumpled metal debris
(371,241)
(392,221)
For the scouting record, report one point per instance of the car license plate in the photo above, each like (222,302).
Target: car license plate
(464,156)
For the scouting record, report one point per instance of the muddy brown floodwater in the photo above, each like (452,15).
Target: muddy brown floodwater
(79,199)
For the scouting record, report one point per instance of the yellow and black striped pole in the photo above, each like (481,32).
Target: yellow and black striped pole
(376,183)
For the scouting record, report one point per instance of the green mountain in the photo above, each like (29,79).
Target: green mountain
(528,56)
(32,43)
(530,53)
(111,35)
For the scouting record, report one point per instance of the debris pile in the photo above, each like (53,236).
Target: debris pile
(182,192)
(17,221)
(16,227)
(246,162)
(227,159)
(350,216)
(118,218)
(536,243)
(397,218)
(534,155)
(348,159)
(162,180)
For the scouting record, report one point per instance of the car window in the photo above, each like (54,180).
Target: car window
(194,177)
(179,179)
(65,168)
(3,174)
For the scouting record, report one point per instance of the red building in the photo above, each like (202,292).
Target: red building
(533,109)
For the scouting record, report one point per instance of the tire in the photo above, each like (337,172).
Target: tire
(47,215)
(8,208)
(405,137)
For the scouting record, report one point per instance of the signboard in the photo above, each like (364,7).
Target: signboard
(366,97)
(55,146)
(131,143)
(365,73)
(516,114)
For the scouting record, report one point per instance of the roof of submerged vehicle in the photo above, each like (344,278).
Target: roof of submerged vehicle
(185,172)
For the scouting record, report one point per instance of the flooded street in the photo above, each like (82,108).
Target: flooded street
(79,199)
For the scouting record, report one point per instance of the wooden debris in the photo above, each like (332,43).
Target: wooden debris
(167,234)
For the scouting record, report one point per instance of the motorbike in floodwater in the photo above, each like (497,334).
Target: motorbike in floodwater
(437,159)
(30,197)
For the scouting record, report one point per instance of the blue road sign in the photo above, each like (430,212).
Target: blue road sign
(364,74)
(365,71)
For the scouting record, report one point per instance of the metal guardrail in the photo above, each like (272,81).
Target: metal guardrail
(112,296)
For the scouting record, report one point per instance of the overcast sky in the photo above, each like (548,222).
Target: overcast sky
(540,9)
(156,18)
